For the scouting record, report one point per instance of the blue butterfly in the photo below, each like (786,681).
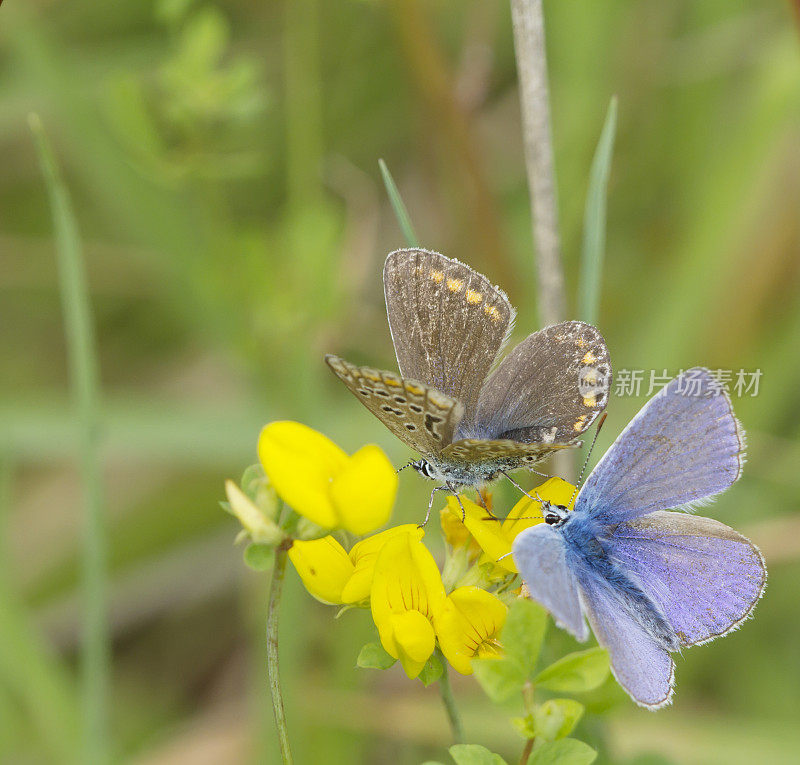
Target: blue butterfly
(650,582)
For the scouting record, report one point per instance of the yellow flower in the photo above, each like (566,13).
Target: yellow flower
(320,482)
(260,528)
(457,535)
(496,537)
(407,595)
(324,566)
(364,556)
(468,626)
(332,575)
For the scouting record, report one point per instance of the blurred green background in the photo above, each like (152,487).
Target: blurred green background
(222,158)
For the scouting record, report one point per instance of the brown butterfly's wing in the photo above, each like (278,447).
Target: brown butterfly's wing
(513,454)
(550,388)
(448,322)
(420,416)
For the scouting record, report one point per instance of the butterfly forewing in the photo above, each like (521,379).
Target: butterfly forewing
(684,445)
(550,387)
(421,416)
(448,322)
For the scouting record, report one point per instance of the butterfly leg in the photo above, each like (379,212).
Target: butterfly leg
(481,499)
(460,503)
(518,486)
(430,504)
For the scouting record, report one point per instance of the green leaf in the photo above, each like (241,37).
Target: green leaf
(432,671)
(474,754)
(568,751)
(500,678)
(400,211)
(523,634)
(594,221)
(576,672)
(259,557)
(524,726)
(556,718)
(374,656)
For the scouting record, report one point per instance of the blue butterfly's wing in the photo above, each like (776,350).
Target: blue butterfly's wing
(541,557)
(641,664)
(703,575)
(684,445)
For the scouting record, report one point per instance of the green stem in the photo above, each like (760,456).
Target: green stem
(273,616)
(527,697)
(526,752)
(84,379)
(446,691)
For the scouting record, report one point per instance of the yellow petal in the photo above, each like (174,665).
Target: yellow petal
(468,624)
(301,464)
(364,554)
(363,493)
(406,579)
(324,567)
(554,490)
(409,637)
(488,533)
(456,534)
(261,529)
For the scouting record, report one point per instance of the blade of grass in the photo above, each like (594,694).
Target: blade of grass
(400,211)
(83,370)
(594,221)
(31,677)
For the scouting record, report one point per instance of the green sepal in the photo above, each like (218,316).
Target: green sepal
(259,557)
(374,656)
(432,671)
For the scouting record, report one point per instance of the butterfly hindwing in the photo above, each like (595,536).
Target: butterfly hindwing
(704,576)
(684,445)
(550,387)
(420,416)
(642,666)
(512,454)
(448,322)
(541,557)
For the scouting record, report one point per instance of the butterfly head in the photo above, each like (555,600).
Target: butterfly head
(425,468)
(554,515)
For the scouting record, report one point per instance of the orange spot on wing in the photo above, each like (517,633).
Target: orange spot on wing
(492,312)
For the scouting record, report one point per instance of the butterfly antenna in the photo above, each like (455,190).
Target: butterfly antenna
(586,461)
(408,464)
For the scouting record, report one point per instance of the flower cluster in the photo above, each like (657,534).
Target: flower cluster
(414,606)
